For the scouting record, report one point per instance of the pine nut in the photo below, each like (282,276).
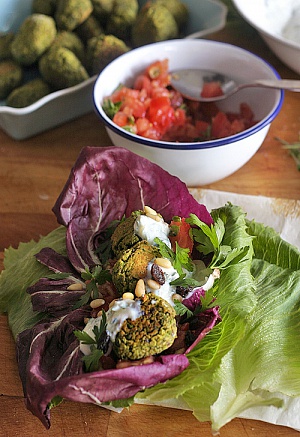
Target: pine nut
(153,216)
(97,303)
(149,210)
(99,314)
(77,286)
(140,288)
(177,296)
(163,262)
(86,319)
(153,284)
(128,295)
(111,303)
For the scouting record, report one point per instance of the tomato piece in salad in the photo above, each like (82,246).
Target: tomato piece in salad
(181,234)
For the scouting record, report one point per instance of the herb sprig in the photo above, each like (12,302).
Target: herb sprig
(91,361)
(93,278)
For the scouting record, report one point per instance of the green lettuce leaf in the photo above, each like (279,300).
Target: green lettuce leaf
(20,271)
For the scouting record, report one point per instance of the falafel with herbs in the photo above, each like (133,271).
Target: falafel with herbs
(149,334)
(70,41)
(154,23)
(121,19)
(61,68)
(5,43)
(46,7)
(11,75)
(132,265)
(34,37)
(28,93)
(103,49)
(70,14)
(124,236)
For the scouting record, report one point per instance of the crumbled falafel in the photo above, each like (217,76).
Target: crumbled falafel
(124,236)
(178,9)
(103,49)
(11,75)
(121,19)
(154,23)
(61,68)
(46,7)
(89,28)
(70,41)
(132,266)
(5,45)
(28,93)
(70,14)
(34,37)
(149,334)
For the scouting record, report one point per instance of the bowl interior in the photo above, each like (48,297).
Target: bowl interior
(225,58)
(277,18)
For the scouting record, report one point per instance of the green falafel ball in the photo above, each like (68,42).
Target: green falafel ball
(89,28)
(70,41)
(154,23)
(123,236)
(5,45)
(46,7)
(132,266)
(121,19)
(149,334)
(61,68)
(178,9)
(103,49)
(35,36)
(71,13)
(102,9)
(28,93)
(11,75)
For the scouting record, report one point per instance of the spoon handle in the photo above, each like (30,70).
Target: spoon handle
(285,84)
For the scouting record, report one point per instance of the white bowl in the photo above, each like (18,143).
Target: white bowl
(206,16)
(198,163)
(278,23)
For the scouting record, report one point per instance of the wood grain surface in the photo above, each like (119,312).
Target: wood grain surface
(32,174)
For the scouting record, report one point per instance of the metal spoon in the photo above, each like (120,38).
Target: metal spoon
(190,83)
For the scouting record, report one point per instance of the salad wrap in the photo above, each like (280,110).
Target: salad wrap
(249,315)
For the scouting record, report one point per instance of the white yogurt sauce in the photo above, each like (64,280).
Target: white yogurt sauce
(121,310)
(166,290)
(148,229)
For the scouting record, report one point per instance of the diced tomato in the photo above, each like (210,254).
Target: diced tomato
(121,119)
(180,117)
(142,82)
(183,236)
(154,110)
(142,124)
(211,89)
(159,71)
(160,112)
(221,126)
(137,108)
(202,128)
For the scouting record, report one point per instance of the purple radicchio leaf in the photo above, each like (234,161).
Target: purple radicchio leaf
(107,183)
(50,365)
(53,295)
(204,321)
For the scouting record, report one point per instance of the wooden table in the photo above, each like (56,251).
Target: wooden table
(32,174)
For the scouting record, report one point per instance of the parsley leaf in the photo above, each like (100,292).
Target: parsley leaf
(97,276)
(91,361)
(182,310)
(111,108)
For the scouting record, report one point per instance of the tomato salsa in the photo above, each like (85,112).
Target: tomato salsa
(154,110)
